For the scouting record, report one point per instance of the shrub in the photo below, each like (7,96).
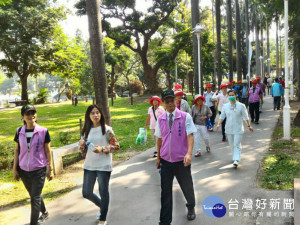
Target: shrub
(136,86)
(65,137)
(41,97)
(6,156)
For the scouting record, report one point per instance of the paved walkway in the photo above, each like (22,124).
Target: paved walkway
(135,187)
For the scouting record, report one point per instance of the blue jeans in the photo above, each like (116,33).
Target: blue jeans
(235,145)
(89,179)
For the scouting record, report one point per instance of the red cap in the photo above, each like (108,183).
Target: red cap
(254,81)
(229,83)
(154,98)
(257,78)
(208,85)
(233,81)
(179,93)
(177,87)
(197,97)
(223,85)
(239,81)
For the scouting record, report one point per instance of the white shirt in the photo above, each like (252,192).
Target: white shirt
(189,124)
(208,97)
(234,114)
(98,161)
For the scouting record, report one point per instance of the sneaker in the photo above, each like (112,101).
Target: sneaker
(100,223)
(236,163)
(191,214)
(224,139)
(43,217)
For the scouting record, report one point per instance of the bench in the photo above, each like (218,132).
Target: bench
(58,153)
(297,201)
(20,102)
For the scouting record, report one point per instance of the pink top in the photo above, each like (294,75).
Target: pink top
(159,111)
(222,100)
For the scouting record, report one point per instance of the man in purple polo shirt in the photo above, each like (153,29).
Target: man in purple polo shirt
(174,130)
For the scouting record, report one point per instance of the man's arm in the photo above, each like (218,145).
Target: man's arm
(188,157)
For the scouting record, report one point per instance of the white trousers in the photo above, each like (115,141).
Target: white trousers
(235,142)
(201,134)
(154,138)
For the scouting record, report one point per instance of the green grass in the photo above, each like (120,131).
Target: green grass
(282,164)
(64,118)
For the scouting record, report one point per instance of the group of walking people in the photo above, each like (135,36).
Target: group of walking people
(177,130)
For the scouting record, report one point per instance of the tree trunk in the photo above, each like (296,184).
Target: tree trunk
(195,20)
(262,49)
(214,52)
(169,80)
(112,79)
(23,80)
(247,34)
(277,51)
(268,49)
(190,75)
(150,76)
(97,56)
(238,41)
(257,50)
(218,26)
(230,40)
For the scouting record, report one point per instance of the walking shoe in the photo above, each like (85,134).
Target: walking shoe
(198,153)
(256,122)
(43,217)
(224,139)
(191,214)
(207,148)
(236,163)
(101,223)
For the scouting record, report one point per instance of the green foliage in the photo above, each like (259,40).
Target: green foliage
(6,155)
(64,138)
(41,96)
(33,42)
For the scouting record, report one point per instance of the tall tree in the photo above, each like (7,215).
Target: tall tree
(238,40)
(140,27)
(195,21)
(97,55)
(230,39)
(257,47)
(218,27)
(29,30)
(247,31)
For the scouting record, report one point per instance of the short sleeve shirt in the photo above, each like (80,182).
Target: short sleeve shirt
(159,111)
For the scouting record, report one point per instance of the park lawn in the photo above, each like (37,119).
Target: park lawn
(62,121)
(282,163)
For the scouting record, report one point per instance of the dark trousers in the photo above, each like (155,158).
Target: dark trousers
(277,100)
(213,117)
(184,178)
(34,182)
(254,111)
(245,101)
(223,126)
(89,179)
